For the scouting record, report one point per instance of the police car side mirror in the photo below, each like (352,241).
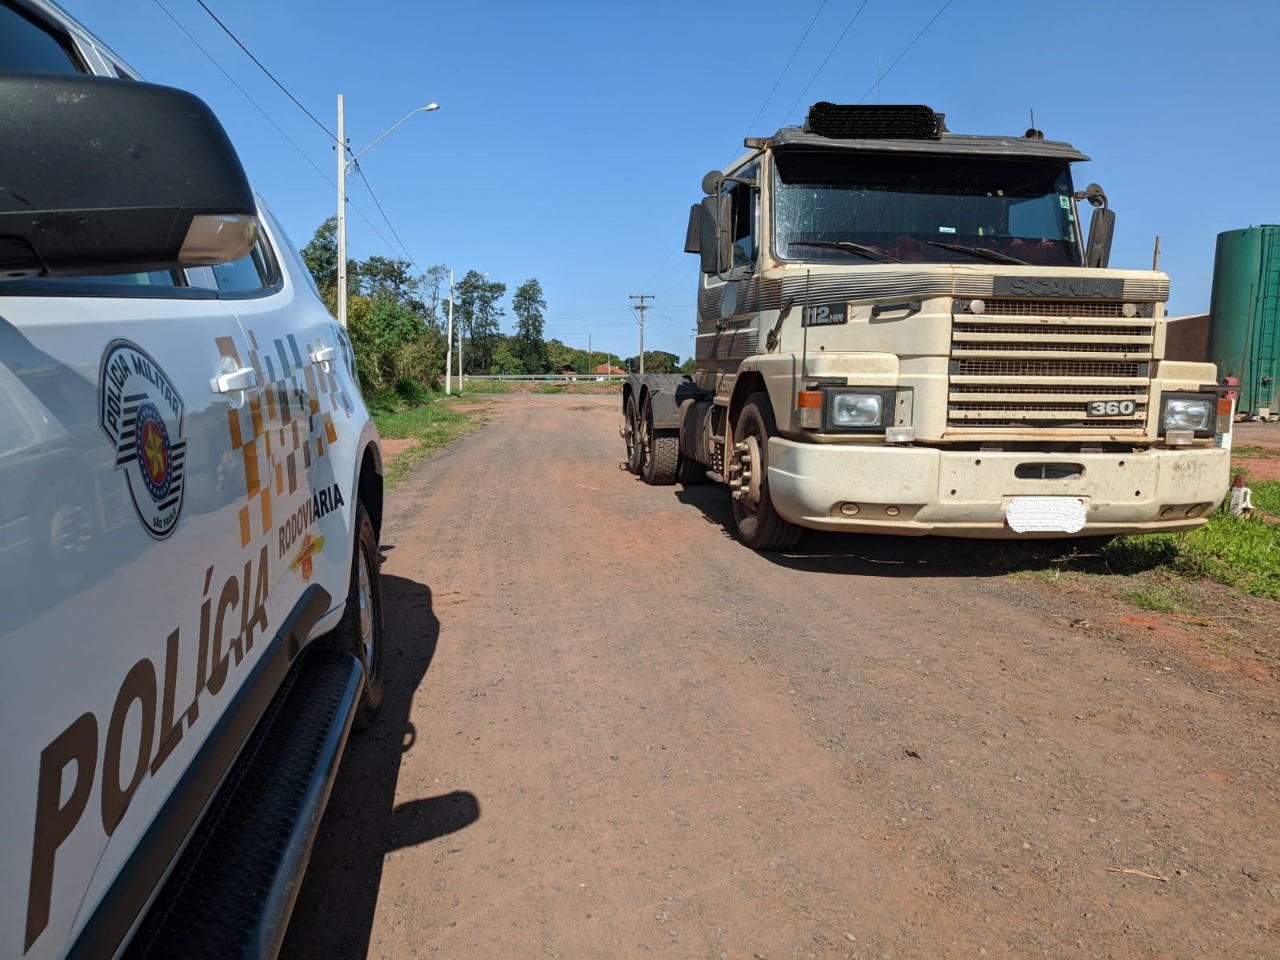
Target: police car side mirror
(101,176)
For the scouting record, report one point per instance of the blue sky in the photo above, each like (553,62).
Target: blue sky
(572,136)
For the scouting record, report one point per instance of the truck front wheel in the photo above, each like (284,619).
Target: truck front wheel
(759,525)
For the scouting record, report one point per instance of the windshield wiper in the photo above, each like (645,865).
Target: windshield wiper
(871,253)
(981,253)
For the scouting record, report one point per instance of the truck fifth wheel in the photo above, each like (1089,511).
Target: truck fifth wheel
(903,330)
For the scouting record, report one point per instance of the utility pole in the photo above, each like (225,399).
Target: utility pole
(448,339)
(640,309)
(342,221)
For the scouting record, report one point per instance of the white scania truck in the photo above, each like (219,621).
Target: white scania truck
(903,330)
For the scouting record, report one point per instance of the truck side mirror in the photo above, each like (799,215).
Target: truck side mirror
(691,235)
(715,243)
(708,234)
(1102,226)
(109,176)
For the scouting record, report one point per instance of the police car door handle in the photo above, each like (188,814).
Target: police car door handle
(325,355)
(244,378)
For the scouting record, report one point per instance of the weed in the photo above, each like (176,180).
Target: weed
(434,423)
(1255,453)
(1159,597)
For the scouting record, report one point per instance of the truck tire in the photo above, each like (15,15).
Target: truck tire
(659,451)
(360,630)
(759,525)
(631,431)
(690,472)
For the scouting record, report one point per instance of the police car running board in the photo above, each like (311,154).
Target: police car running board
(233,890)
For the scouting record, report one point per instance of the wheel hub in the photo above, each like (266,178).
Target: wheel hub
(744,472)
(365,599)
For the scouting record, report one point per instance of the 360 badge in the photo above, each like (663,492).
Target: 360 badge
(141,413)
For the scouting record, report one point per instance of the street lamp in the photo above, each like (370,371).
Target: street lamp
(448,357)
(343,162)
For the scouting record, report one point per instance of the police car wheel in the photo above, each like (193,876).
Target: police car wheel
(360,630)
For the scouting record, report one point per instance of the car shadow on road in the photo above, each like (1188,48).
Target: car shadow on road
(878,555)
(334,912)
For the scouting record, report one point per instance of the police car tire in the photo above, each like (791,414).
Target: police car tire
(349,635)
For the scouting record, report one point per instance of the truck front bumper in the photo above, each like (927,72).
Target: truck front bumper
(920,490)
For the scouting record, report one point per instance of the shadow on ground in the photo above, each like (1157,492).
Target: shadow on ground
(895,556)
(335,909)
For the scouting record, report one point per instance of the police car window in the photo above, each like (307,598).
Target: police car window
(249,274)
(155,278)
(26,45)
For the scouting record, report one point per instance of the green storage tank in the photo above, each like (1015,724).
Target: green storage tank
(1244,309)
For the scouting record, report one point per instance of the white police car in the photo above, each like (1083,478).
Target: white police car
(190,609)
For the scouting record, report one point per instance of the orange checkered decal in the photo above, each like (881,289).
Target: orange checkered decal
(289,414)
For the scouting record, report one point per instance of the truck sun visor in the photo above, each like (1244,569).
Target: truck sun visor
(874,122)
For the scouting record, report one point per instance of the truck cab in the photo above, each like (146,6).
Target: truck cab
(905,330)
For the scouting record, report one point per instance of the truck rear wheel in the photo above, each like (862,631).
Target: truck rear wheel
(659,450)
(631,431)
(690,472)
(759,525)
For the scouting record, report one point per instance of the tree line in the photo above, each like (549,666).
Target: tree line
(397,321)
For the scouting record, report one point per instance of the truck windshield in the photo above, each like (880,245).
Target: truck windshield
(845,206)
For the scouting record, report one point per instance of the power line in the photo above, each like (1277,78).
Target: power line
(214,60)
(369,187)
(821,7)
(905,51)
(829,55)
(227,30)
(235,84)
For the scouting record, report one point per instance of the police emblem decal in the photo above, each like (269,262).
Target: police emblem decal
(141,413)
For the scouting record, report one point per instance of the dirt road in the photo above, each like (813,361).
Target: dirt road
(611,731)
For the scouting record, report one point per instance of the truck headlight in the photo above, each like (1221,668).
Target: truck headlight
(1196,412)
(859,409)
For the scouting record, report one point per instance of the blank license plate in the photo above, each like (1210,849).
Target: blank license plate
(1045,514)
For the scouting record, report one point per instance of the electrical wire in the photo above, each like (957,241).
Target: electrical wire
(327,179)
(255,103)
(227,30)
(790,60)
(332,136)
(404,249)
(905,51)
(830,54)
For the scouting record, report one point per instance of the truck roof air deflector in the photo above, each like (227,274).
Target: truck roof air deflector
(874,122)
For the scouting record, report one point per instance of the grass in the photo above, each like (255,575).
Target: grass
(1244,554)
(1167,597)
(1255,453)
(482,387)
(435,422)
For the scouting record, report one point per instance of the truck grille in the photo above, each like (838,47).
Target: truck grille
(1027,366)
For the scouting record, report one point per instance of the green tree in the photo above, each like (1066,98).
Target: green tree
(480,319)
(559,357)
(321,258)
(507,360)
(384,279)
(529,347)
(321,255)
(656,361)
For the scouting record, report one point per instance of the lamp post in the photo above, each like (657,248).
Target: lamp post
(448,357)
(343,163)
